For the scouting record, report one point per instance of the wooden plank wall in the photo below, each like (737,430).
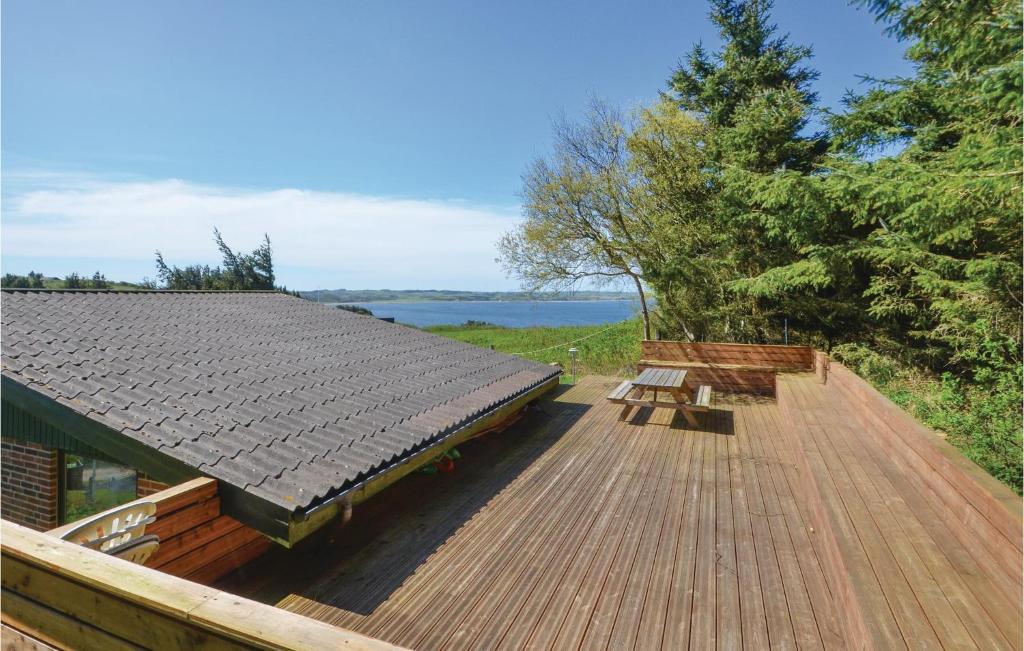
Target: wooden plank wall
(69,597)
(984,514)
(725,380)
(781,358)
(196,541)
(711,363)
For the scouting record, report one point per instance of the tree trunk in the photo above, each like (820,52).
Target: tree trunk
(643,307)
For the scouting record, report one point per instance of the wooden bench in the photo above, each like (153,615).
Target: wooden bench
(620,392)
(701,403)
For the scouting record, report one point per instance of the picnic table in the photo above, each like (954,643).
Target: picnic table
(682,397)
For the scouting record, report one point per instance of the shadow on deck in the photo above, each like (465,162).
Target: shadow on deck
(786,523)
(575,527)
(356,567)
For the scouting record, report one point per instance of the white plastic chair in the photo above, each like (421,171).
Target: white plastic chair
(118,532)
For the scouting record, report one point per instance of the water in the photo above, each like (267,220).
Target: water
(512,314)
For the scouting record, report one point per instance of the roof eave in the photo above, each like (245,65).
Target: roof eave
(264,516)
(284,526)
(304,522)
(95,434)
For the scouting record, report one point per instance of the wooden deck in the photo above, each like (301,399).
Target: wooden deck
(921,581)
(575,530)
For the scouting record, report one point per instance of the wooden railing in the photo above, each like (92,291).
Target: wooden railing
(779,358)
(729,368)
(71,597)
(196,541)
(984,514)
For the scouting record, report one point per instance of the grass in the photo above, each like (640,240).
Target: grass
(609,349)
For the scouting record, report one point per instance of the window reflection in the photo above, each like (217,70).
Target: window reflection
(92,485)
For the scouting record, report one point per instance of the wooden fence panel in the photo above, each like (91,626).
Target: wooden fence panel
(781,358)
(984,514)
(726,380)
(67,596)
(196,541)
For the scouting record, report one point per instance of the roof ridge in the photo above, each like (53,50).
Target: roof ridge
(140,290)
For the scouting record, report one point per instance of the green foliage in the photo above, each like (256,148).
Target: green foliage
(78,505)
(945,213)
(356,309)
(754,92)
(753,99)
(73,281)
(238,271)
(580,220)
(675,193)
(898,229)
(607,350)
(98,281)
(32,281)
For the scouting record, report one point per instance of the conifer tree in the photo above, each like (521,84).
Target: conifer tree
(755,99)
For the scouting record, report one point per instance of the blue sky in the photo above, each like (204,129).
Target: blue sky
(379,143)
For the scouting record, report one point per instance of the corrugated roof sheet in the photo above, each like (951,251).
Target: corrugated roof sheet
(289,400)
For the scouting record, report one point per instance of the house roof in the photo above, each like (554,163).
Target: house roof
(286,399)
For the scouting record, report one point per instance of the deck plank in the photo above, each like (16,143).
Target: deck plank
(574,529)
(582,607)
(559,584)
(651,628)
(777,615)
(488,618)
(961,618)
(678,618)
(629,614)
(801,613)
(703,626)
(632,563)
(729,632)
(766,420)
(538,513)
(933,601)
(752,610)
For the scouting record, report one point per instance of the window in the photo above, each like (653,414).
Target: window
(92,485)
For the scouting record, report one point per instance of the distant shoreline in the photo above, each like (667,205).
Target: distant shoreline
(356,296)
(495,300)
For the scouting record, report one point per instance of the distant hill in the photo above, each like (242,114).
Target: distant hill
(72,281)
(408,295)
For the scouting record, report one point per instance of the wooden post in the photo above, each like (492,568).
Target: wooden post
(821,361)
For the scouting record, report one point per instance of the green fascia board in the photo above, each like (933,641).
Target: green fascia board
(277,523)
(19,425)
(95,435)
(264,516)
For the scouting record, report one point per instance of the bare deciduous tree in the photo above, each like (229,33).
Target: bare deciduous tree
(580,223)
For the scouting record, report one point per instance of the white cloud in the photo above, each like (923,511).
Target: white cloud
(340,239)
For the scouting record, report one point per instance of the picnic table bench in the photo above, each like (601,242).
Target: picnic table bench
(670,381)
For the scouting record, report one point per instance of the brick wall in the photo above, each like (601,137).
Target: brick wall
(28,484)
(148,486)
